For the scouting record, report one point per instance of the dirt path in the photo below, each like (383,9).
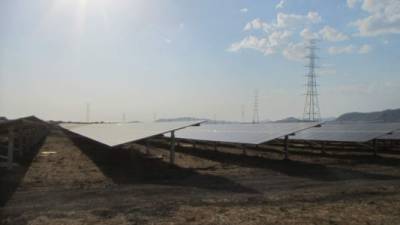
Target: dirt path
(74,181)
(60,164)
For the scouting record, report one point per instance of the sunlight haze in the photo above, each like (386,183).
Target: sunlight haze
(173,58)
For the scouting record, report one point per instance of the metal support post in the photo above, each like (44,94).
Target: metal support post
(244,150)
(10,156)
(172,150)
(286,147)
(147,147)
(323,148)
(18,143)
(374,147)
(29,139)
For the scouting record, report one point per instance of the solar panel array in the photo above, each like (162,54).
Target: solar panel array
(114,134)
(393,136)
(242,133)
(347,132)
(21,122)
(70,126)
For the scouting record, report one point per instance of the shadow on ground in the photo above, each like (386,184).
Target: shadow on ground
(11,179)
(291,168)
(127,166)
(356,157)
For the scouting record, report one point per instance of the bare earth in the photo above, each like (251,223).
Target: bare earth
(75,181)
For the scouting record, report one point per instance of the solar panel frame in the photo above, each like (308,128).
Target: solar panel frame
(69,126)
(22,122)
(347,132)
(117,134)
(251,134)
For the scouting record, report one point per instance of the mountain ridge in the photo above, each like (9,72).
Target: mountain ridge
(388,115)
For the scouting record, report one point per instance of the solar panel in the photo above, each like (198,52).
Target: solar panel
(114,134)
(393,136)
(242,133)
(69,126)
(24,121)
(347,132)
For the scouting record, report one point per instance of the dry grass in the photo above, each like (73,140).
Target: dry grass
(85,183)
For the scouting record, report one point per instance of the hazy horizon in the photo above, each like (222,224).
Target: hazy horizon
(205,59)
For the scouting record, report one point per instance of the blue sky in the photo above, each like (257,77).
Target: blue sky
(205,58)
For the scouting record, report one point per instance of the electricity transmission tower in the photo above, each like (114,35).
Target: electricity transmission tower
(256,117)
(242,114)
(311,107)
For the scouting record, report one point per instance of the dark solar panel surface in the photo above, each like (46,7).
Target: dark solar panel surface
(394,136)
(347,132)
(241,133)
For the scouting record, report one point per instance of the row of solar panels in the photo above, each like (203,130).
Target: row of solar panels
(28,121)
(22,134)
(393,136)
(115,134)
(261,133)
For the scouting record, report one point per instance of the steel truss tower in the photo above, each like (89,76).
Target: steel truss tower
(311,107)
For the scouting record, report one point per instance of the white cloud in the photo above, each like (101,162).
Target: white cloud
(244,10)
(314,17)
(384,18)
(352,3)
(364,49)
(267,45)
(250,42)
(181,26)
(284,21)
(330,34)
(277,35)
(255,24)
(306,34)
(280,5)
(341,50)
(294,20)
(295,52)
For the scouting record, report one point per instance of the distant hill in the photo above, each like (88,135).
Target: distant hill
(390,115)
(289,120)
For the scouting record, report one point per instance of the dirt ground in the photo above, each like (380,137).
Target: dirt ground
(71,180)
